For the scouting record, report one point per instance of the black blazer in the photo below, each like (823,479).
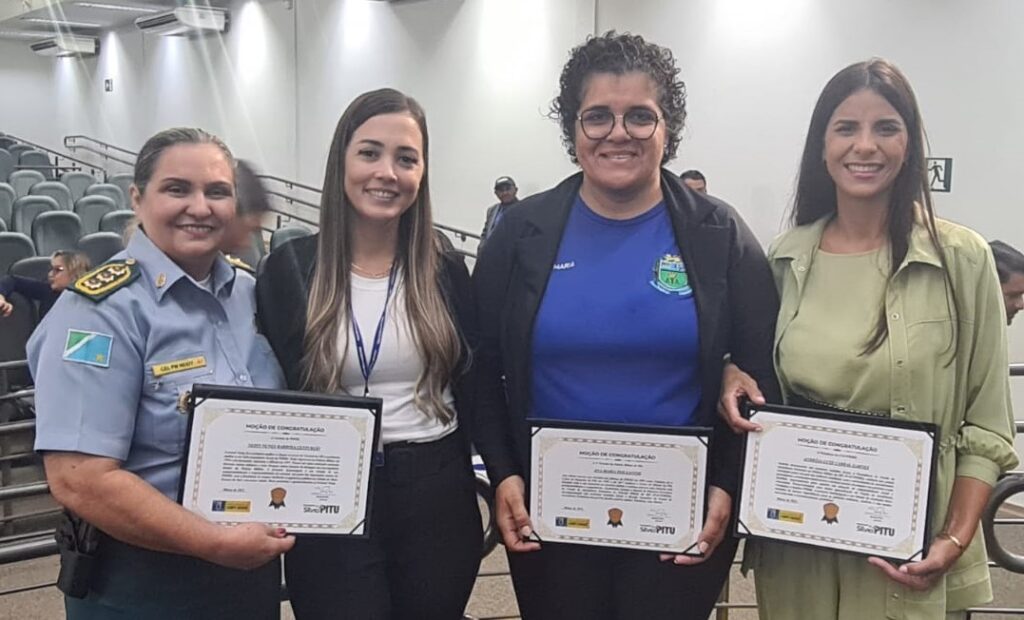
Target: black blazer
(735,296)
(282,292)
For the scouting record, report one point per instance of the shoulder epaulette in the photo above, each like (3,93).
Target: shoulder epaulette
(238,263)
(101,282)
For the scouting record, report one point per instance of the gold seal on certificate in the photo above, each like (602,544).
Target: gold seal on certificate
(848,482)
(289,459)
(612,486)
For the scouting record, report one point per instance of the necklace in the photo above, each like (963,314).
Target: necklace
(366,273)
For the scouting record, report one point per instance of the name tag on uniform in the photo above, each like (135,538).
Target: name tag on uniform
(169,368)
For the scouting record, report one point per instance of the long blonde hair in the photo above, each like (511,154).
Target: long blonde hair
(417,260)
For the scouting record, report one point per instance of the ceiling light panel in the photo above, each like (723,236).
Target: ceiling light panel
(127,8)
(60,22)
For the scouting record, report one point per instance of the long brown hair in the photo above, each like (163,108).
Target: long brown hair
(816,191)
(417,258)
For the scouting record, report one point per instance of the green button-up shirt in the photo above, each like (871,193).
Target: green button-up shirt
(967,396)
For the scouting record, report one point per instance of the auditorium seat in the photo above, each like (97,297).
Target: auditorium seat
(123,181)
(92,209)
(3,225)
(33,267)
(27,208)
(7,165)
(23,180)
(110,191)
(14,247)
(7,197)
(37,160)
(7,142)
(286,233)
(56,230)
(100,246)
(77,182)
(116,221)
(18,149)
(56,190)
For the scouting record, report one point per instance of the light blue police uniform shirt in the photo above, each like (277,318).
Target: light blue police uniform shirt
(93,362)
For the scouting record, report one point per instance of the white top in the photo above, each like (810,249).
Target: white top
(398,364)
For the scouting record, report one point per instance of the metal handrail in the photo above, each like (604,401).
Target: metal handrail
(106,156)
(18,395)
(19,491)
(29,549)
(86,164)
(10,428)
(289,183)
(464,234)
(95,141)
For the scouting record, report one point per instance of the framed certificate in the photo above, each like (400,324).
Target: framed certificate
(848,482)
(616,486)
(295,460)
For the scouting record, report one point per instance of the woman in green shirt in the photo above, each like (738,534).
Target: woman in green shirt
(885,310)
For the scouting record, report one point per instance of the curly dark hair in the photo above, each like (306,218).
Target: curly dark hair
(619,54)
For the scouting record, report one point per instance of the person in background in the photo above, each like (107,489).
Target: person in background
(65,267)
(694,179)
(1010,266)
(886,311)
(505,189)
(614,297)
(111,363)
(244,234)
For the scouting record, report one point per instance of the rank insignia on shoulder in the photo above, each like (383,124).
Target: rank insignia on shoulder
(105,279)
(238,263)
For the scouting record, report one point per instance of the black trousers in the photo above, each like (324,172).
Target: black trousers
(566,582)
(423,552)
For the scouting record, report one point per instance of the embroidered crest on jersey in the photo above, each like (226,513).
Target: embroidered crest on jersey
(670,276)
(101,282)
(90,348)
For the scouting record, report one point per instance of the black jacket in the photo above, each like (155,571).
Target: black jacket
(282,291)
(735,296)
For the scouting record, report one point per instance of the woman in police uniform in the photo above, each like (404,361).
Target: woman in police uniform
(107,396)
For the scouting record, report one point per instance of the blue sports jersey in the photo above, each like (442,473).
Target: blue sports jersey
(615,339)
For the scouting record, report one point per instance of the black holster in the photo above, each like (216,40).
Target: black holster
(77,541)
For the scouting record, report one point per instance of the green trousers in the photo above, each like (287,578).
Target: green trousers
(801,583)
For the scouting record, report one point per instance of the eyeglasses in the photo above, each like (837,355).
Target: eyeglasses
(639,123)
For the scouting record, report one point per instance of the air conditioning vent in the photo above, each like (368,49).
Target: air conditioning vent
(66,45)
(184,21)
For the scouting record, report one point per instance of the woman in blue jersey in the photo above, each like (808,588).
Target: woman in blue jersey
(581,322)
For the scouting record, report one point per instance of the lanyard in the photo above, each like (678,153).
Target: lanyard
(366,366)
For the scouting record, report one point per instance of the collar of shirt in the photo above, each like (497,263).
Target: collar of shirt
(154,263)
(800,243)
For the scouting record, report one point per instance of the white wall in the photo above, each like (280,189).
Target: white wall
(484,71)
(27,86)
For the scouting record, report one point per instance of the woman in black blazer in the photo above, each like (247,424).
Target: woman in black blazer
(373,306)
(579,323)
